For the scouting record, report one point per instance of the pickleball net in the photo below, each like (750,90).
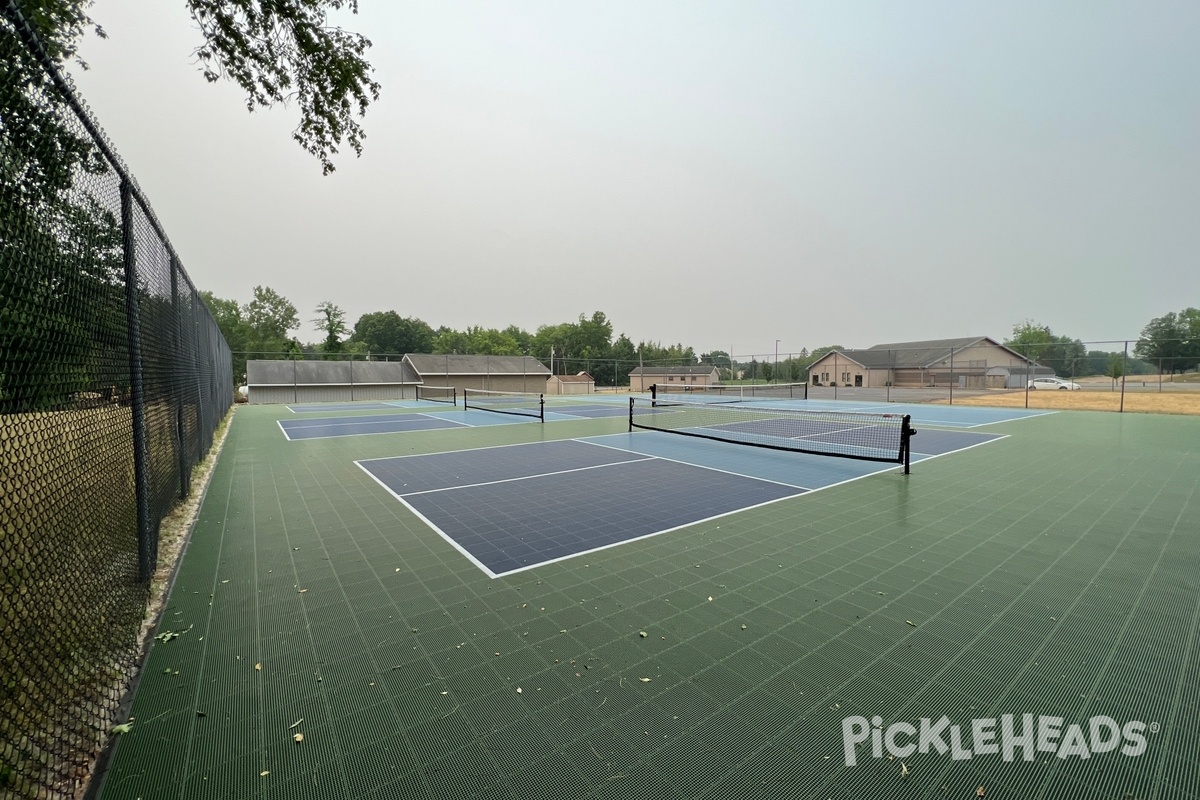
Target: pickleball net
(737,393)
(438,394)
(863,436)
(523,404)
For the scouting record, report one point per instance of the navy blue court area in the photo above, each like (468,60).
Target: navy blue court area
(515,507)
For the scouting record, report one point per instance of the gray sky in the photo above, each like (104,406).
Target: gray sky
(718,174)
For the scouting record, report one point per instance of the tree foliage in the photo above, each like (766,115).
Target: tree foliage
(1172,341)
(332,320)
(258,329)
(61,248)
(388,332)
(1066,356)
(278,51)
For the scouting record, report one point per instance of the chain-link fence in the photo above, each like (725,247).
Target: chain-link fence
(947,371)
(113,380)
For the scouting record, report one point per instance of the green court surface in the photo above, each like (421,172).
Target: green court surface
(1054,573)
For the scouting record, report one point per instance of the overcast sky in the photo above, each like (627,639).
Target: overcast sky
(723,175)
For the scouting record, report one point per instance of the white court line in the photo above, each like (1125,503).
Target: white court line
(698,466)
(527,477)
(429,522)
(467,450)
(454,424)
(930,456)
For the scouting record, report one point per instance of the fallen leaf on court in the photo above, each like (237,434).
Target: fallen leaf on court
(710,598)
(910,622)
(643,634)
(743,627)
(264,773)
(644,680)
(903,770)
(980,791)
(298,738)
(294,724)
(258,666)
(125,728)
(518,690)
(302,591)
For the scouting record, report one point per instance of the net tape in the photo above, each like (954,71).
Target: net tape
(522,404)
(438,394)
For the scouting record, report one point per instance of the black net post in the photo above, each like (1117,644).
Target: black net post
(137,391)
(631,415)
(178,391)
(906,435)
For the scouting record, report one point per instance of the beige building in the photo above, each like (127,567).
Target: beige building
(493,373)
(976,362)
(304,381)
(642,378)
(571,384)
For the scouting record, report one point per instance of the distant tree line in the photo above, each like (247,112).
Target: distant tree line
(1168,344)
(264,328)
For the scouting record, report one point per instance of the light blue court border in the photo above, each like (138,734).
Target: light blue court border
(308,428)
(366,405)
(380,424)
(922,414)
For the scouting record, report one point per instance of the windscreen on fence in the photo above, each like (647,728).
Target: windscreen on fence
(113,380)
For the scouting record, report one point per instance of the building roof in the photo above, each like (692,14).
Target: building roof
(582,377)
(454,364)
(918,355)
(699,369)
(303,372)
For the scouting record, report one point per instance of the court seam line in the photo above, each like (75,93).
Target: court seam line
(1027,415)
(526,477)
(472,449)
(454,426)
(928,456)
(427,521)
(649,535)
(700,466)
(322,422)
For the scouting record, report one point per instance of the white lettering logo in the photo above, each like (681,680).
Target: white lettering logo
(1004,736)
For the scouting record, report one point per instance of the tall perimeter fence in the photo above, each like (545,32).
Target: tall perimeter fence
(977,373)
(113,380)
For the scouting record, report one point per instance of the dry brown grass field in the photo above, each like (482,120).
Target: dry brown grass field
(1099,397)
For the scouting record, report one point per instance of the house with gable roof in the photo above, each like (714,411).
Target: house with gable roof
(973,362)
(642,378)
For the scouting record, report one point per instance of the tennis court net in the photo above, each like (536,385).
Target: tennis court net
(524,404)
(438,394)
(738,393)
(868,437)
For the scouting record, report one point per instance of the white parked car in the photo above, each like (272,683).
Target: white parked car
(1053,383)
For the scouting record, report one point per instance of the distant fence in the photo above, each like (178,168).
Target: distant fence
(113,380)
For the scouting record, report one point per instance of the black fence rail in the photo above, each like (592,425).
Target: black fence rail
(113,380)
